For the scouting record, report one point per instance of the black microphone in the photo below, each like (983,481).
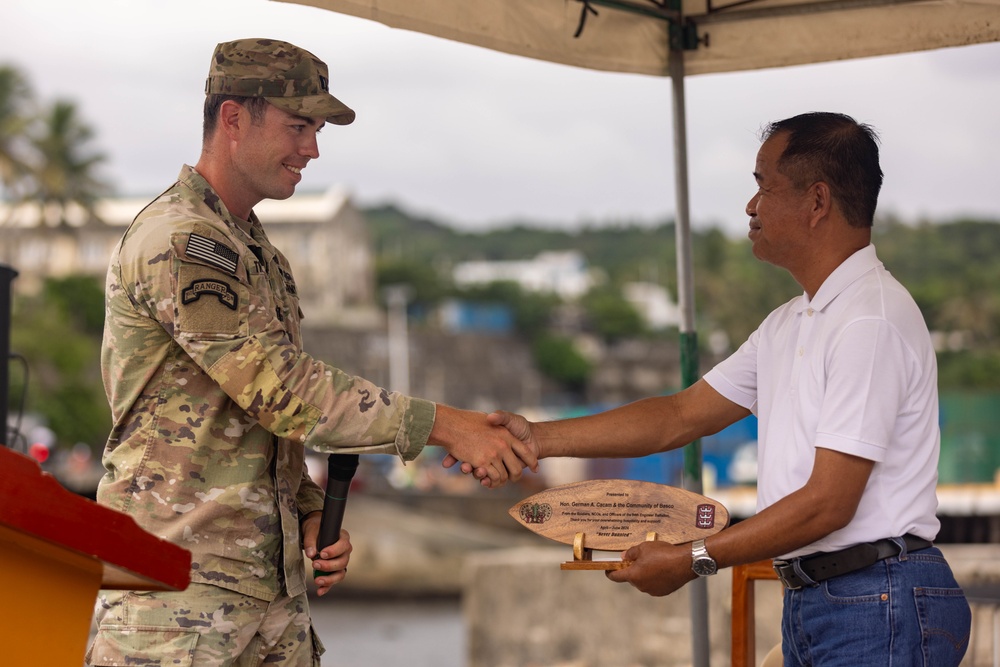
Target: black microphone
(340,469)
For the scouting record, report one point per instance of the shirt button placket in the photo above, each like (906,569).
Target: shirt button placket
(805,329)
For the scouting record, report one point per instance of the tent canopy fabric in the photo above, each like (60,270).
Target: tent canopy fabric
(718,35)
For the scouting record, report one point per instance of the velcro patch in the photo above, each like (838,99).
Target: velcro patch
(223,310)
(211,251)
(227,295)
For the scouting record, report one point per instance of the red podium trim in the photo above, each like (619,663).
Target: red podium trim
(35,504)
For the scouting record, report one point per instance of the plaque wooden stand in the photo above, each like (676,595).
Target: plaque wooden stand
(57,549)
(583,557)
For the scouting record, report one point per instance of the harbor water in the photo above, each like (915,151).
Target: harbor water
(390,632)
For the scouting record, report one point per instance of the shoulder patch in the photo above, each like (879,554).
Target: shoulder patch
(210,304)
(213,252)
(226,294)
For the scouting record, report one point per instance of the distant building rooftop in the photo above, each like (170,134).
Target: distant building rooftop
(564,273)
(120,211)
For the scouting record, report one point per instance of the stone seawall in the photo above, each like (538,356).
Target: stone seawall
(521,610)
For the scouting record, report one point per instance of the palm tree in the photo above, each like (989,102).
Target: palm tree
(15,118)
(66,171)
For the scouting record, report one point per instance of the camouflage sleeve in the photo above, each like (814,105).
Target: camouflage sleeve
(310,496)
(223,316)
(301,399)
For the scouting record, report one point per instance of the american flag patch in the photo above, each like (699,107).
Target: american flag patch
(213,252)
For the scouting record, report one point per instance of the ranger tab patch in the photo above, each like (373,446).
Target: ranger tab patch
(227,296)
(215,253)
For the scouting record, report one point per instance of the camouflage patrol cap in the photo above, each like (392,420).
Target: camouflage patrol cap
(288,77)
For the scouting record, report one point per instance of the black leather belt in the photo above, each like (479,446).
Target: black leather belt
(822,566)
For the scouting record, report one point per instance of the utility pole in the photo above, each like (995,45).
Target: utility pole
(396,298)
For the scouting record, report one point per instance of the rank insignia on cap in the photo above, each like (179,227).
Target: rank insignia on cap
(215,253)
(227,297)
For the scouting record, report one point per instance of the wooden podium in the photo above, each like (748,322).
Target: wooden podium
(57,549)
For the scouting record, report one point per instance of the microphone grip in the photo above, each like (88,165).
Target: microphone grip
(340,471)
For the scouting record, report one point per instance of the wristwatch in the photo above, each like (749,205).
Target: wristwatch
(701,563)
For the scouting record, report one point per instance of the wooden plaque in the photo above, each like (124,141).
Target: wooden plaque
(615,514)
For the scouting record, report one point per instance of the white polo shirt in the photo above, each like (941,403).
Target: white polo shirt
(852,370)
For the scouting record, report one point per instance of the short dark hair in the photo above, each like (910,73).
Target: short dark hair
(257,106)
(835,149)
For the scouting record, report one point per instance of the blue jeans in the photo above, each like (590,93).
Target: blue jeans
(904,611)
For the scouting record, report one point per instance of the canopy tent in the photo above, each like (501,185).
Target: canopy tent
(731,35)
(678,37)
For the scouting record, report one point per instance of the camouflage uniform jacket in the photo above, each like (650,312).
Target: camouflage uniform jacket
(213,398)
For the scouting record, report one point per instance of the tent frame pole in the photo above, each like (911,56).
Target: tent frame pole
(700,650)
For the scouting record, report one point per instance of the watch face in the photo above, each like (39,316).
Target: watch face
(704,566)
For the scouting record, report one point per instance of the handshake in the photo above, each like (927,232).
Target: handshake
(494,448)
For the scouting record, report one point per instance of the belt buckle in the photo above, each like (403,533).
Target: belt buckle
(778,566)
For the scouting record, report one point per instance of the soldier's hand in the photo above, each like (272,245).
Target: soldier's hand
(520,428)
(488,450)
(330,560)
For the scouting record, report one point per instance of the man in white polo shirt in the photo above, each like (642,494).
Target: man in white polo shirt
(843,380)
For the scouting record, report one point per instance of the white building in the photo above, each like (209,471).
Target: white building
(325,238)
(563,273)
(654,304)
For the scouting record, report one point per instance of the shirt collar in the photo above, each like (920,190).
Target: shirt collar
(207,193)
(852,268)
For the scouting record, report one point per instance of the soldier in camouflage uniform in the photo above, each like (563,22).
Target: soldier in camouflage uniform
(214,400)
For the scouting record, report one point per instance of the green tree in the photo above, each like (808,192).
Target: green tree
(426,283)
(611,315)
(969,370)
(58,333)
(952,272)
(734,291)
(81,298)
(558,358)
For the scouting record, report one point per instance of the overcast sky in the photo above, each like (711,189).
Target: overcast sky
(478,139)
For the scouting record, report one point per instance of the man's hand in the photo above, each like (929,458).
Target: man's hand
(656,568)
(486,449)
(332,558)
(518,426)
